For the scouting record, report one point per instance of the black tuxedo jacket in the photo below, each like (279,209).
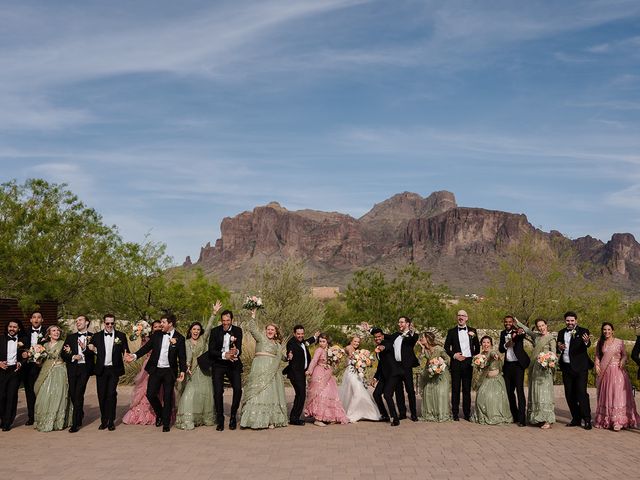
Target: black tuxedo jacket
(26,337)
(216,341)
(117,353)
(4,339)
(452,343)
(297,361)
(635,354)
(89,356)
(387,365)
(577,351)
(177,353)
(409,359)
(518,348)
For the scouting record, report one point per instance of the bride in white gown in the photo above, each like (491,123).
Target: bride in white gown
(356,399)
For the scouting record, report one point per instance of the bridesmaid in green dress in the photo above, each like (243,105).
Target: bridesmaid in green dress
(263,402)
(53,410)
(436,388)
(195,407)
(492,403)
(541,401)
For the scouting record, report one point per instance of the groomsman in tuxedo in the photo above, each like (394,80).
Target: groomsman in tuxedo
(10,363)
(404,342)
(225,348)
(79,359)
(388,374)
(516,362)
(30,370)
(299,358)
(573,342)
(461,345)
(110,347)
(168,357)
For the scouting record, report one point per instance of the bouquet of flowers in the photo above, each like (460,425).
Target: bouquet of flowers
(362,359)
(436,366)
(480,360)
(547,360)
(252,303)
(334,355)
(141,328)
(37,353)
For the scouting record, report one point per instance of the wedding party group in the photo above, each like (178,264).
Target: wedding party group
(182,379)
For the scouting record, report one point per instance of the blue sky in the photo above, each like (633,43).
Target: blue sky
(168,116)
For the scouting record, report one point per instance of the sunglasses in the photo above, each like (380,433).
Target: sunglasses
(108,323)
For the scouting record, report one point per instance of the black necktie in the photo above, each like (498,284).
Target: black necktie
(107,334)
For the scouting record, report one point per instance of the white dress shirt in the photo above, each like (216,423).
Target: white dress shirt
(397,348)
(82,338)
(12,352)
(163,358)
(465,345)
(34,336)
(108,349)
(567,342)
(226,343)
(304,352)
(511,355)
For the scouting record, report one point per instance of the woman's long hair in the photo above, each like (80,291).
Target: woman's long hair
(602,339)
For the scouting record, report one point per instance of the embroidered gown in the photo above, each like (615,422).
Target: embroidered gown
(53,409)
(436,390)
(323,402)
(492,404)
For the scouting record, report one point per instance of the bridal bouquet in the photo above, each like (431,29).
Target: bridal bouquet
(480,360)
(37,353)
(436,366)
(141,328)
(547,360)
(362,359)
(252,303)
(334,355)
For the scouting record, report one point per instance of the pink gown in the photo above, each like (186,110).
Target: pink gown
(140,411)
(616,405)
(323,402)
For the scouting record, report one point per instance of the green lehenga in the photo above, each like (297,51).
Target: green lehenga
(195,407)
(492,403)
(263,403)
(436,390)
(541,397)
(53,410)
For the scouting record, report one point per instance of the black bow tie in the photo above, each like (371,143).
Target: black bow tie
(167,333)
(33,330)
(107,334)
(13,338)
(82,334)
(461,328)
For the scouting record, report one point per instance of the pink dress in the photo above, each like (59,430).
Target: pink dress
(616,405)
(140,411)
(323,402)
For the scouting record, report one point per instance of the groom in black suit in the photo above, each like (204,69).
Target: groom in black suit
(10,363)
(461,345)
(80,360)
(168,357)
(299,359)
(110,347)
(30,369)
(388,374)
(516,362)
(573,342)
(225,348)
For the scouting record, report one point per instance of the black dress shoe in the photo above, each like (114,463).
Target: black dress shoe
(29,422)
(6,428)
(232,423)
(456,419)
(572,424)
(102,426)
(299,423)
(414,418)
(158,422)
(73,429)
(395,422)
(166,428)
(402,416)
(522,424)
(468,419)
(587,426)
(111,427)
(220,427)
(384,418)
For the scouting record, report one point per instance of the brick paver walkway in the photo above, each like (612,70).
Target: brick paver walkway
(369,450)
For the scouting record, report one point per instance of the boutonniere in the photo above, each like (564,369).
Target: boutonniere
(173,341)
(472,334)
(306,344)
(573,333)
(232,339)
(117,341)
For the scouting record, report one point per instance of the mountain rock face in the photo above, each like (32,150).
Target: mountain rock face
(460,246)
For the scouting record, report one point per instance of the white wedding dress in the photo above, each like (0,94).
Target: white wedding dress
(356,399)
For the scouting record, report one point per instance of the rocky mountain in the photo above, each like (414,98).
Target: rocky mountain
(459,245)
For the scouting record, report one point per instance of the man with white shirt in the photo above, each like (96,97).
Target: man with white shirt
(168,357)
(30,369)
(80,360)
(110,347)
(461,345)
(516,361)
(225,348)
(299,358)
(10,364)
